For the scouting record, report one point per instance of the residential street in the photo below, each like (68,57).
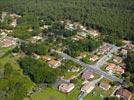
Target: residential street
(92,68)
(105,58)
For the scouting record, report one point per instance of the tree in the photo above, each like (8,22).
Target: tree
(37,70)
(16,49)
(130,61)
(50,78)
(111,98)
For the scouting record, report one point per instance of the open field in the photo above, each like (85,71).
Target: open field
(53,94)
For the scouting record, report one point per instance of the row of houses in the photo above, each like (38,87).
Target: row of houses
(115,68)
(104,49)
(83,30)
(93,58)
(87,85)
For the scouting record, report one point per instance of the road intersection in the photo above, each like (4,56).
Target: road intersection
(96,67)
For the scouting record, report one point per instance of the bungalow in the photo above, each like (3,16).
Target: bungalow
(82,55)
(14,19)
(130,46)
(46,58)
(93,33)
(87,87)
(79,37)
(104,86)
(36,56)
(82,34)
(124,51)
(124,93)
(94,58)
(54,63)
(73,69)
(118,60)
(120,70)
(66,88)
(3,15)
(69,26)
(7,42)
(111,67)
(87,75)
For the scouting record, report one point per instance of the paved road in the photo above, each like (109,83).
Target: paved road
(92,68)
(106,57)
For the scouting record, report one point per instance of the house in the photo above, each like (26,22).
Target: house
(46,26)
(36,56)
(3,15)
(3,34)
(66,88)
(120,70)
(54,63)
(104,49)
(30,30)
(13,23)
(130,46)
(124,51)
(124,93)
(93,33)
(69,26)
(118,60)
(46,58)
(79,37)
(87,75)
(83,34)
(14,19)
(37,38)
(111,67)
(73,69)
(7,42)
(94,58)
(87,87)
(82,55)
(104,86)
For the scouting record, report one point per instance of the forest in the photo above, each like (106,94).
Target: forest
(112,17)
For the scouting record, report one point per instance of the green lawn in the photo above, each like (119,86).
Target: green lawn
(68,75)
(53,94)
(93,96)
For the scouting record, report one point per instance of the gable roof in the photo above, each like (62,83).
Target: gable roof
(124,93)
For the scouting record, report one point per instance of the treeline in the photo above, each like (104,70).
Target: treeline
(129,74)
(14,85)
(88,45)
(108,16)
(29,49)
(37,70)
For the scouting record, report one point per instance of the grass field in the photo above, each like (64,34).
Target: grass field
(53,94)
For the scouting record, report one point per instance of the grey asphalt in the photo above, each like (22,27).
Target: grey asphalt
(92,68)
(106,57)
